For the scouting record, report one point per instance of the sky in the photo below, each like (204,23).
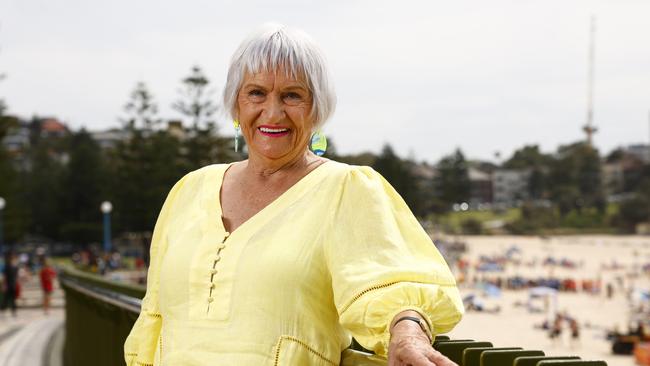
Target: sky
(425,76)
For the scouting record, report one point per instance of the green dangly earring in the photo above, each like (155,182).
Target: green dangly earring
(237,131)
(318,144)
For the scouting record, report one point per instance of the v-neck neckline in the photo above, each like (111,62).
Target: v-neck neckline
(297,187)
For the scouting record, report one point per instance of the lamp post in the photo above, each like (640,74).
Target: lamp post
(106,209)
(3,203)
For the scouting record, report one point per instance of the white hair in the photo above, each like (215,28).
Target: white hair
(275,47)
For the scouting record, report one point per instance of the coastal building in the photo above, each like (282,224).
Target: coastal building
(108,139)
(480,188)
(640,151)
(510,187)
(21,136)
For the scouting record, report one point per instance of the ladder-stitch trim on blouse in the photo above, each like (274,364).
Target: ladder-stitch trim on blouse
(138,363)
(130,358)
(378,287)
(303,344)
(358,296)
(135,354)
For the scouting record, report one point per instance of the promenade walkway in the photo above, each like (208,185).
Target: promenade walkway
(33,338)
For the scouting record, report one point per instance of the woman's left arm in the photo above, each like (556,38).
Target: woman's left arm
(382,264)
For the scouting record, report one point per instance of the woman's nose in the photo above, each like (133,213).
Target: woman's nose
(273,110)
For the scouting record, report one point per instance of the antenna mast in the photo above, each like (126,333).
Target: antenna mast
(589,128)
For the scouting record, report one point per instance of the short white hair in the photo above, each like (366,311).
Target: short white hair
(275,47)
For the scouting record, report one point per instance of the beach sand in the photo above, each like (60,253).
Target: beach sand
(595,313)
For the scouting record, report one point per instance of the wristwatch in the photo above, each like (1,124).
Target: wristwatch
(423,325)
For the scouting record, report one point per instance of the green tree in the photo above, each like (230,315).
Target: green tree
(636,209)
(575,179)
(531,158)
(42,189)
(14,214)
(143,168)
(527,157)
(84,180)
(3,105)
(615,155)
(452,182)
(399,174)
(537,183)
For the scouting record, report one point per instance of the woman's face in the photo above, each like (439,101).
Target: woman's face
(274,112)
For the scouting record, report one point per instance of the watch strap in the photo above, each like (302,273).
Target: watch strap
(423,325)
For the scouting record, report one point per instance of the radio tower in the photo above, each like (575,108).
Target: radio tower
(589,128)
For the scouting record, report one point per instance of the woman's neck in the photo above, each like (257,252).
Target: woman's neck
(265,168)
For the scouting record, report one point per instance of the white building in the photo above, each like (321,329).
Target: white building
(510,186)
(110,138)
(640,151)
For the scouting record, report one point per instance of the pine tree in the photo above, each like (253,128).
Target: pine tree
(196,103)
(141,110)
(143,168)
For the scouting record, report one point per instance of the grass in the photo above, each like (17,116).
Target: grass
(453,221)
(587,222)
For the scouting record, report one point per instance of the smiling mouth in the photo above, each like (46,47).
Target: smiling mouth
(273,131)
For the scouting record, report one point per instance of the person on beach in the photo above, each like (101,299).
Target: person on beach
(47,275)
(282,258)
(10,285)
(555,332)
(575,333)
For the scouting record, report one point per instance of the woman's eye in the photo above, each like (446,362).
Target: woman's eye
(292,97)
(256,93)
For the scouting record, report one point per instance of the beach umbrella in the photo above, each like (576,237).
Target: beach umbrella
(491,290)
(542,291)
(512,251)
(490,267)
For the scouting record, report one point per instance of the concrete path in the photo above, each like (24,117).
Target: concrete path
(28,346)
(32,338)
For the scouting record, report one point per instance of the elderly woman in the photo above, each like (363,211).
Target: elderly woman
(282,258)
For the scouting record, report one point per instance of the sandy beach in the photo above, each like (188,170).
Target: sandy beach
(615,260)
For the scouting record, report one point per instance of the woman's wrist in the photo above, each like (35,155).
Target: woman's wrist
(410,321)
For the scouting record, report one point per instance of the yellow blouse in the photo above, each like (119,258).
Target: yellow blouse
(337,255)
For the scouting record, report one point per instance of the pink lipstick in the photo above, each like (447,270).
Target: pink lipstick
(273,131)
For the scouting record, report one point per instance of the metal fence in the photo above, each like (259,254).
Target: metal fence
(100,314)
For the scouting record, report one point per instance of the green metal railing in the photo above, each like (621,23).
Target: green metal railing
(100,314)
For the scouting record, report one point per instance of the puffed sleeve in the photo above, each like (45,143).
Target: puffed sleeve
(382,262)
(141,344)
